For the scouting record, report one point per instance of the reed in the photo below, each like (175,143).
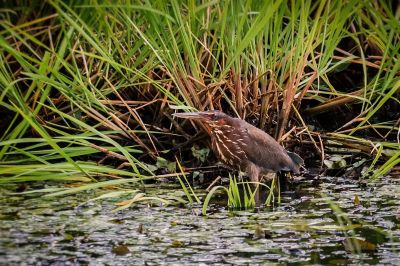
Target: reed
(83,82)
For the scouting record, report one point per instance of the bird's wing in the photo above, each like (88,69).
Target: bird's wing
(264,151)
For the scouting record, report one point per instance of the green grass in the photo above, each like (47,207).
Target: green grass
(242,195)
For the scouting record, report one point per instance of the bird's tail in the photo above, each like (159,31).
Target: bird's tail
(297,161)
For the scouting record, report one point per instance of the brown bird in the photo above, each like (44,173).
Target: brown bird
(245,147)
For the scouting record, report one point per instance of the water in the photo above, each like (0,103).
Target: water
(313,225)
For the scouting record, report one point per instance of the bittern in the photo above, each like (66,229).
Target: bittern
(245,147)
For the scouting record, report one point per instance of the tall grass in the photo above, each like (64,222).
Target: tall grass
(85,81)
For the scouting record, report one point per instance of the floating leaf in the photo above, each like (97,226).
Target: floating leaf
(352,244)
(357,200)
(121,250)
(259,232)
(335,162)
(68,237)
(177,244)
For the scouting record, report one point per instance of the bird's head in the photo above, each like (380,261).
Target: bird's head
(211,119)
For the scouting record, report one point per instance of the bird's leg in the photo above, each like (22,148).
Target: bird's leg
(282,181)
(254,172)
(240,175)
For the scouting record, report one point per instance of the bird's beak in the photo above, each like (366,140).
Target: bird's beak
(193,115)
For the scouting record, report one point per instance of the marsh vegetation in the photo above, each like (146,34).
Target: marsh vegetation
(88,89)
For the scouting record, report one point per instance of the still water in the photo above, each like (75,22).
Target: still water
(334,221)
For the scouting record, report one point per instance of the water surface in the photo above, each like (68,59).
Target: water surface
(320,223)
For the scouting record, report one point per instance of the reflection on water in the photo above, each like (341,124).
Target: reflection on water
(303,229)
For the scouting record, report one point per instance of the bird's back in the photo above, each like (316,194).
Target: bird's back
(264,151)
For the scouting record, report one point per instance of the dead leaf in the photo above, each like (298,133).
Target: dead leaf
(121,250)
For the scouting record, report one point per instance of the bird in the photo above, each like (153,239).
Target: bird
(243,146)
